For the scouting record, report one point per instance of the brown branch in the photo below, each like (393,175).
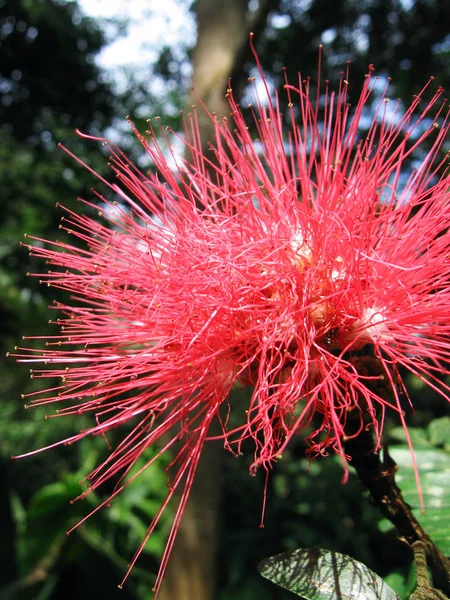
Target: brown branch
(39,573)
(423,591)
(379,478)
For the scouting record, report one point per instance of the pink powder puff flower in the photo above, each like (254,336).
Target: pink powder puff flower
(273,264)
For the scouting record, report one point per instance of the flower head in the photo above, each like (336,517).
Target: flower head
(311,265)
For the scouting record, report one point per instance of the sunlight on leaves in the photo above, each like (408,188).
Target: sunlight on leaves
(432,455)
(318,574)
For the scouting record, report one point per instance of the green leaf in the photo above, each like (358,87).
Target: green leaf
(434,473)
(418,436)
(318,574)
(439,431)
(54,497)
(403,585)
(397,582)
(48,499)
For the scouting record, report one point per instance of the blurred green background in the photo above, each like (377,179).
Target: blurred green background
(52,82)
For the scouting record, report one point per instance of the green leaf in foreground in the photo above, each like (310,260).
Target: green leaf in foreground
(434,472)
(318,574)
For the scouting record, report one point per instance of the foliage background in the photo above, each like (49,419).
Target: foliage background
(50,84)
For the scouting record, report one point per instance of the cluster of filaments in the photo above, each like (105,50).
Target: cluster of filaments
(273,266)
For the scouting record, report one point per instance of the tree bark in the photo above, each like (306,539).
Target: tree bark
(223,31)
(191,571)
(223,34)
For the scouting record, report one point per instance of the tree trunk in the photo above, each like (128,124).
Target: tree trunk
(223,30)
(191,571)
(223,34)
